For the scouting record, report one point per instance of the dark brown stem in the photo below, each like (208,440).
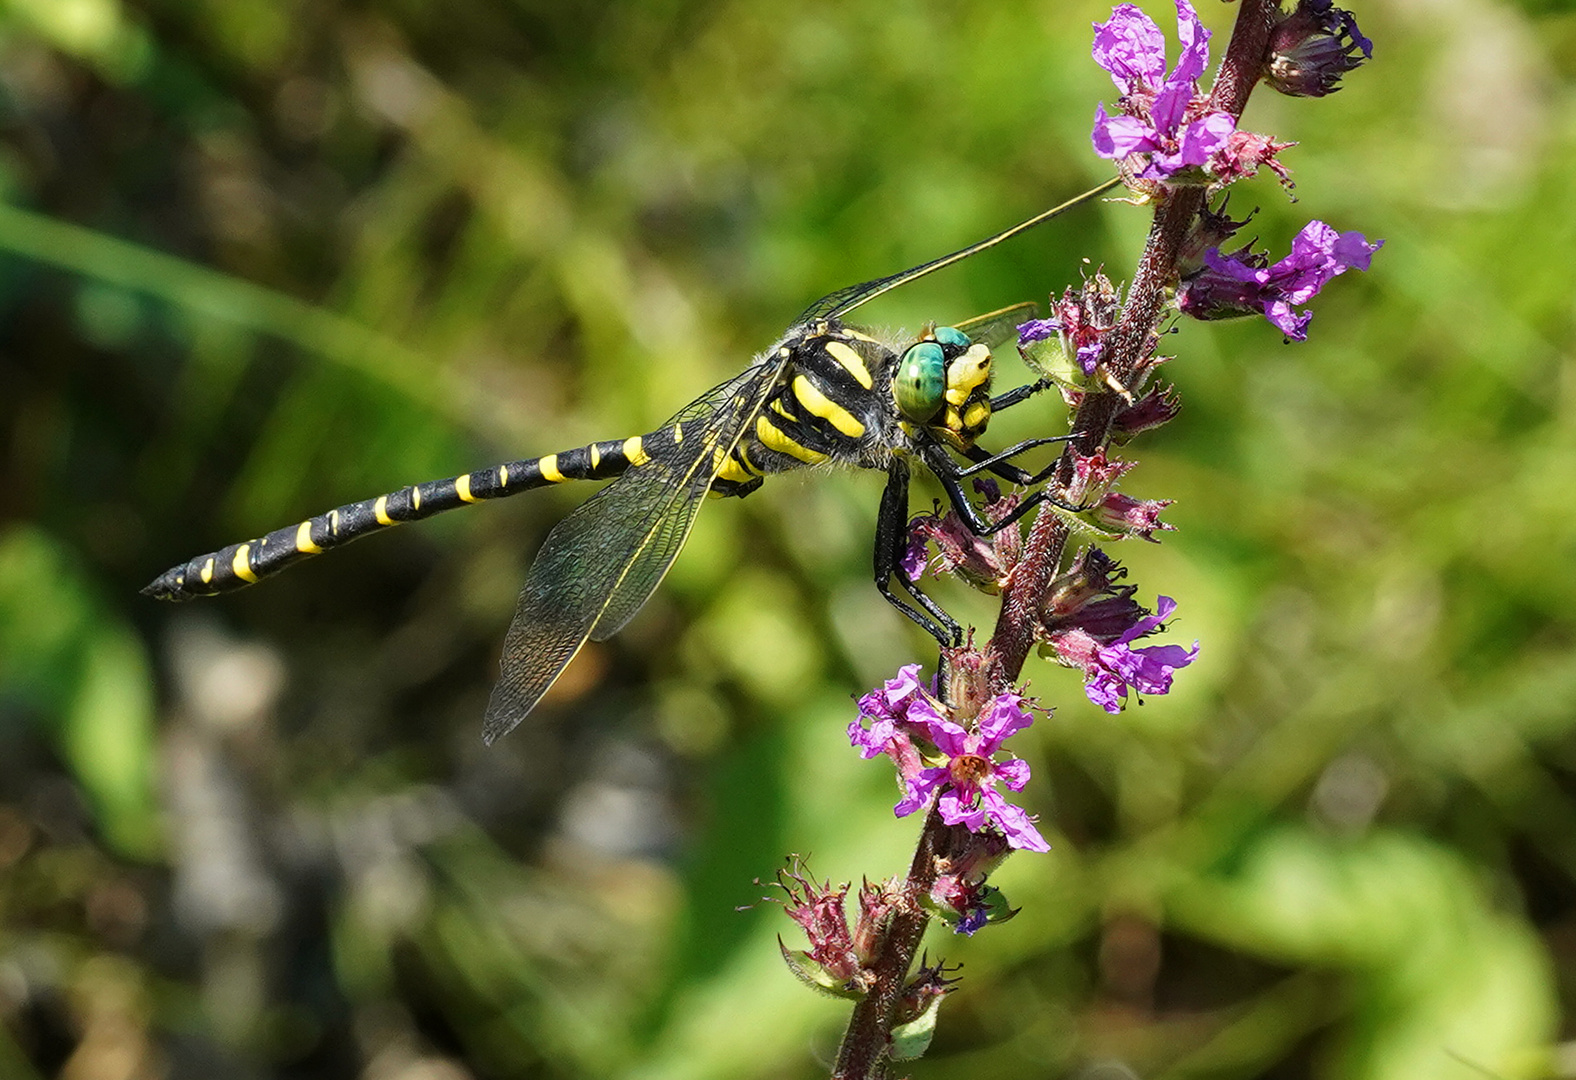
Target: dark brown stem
(863,1054)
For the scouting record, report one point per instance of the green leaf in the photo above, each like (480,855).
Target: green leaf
(810,972)
(912,1039)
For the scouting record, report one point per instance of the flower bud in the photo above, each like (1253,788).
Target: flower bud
(1093,573)
(1148,412)
(877,904)
(1121,513)
(831,963)
(1311,48)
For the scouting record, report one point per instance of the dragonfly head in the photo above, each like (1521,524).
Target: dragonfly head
(943,383)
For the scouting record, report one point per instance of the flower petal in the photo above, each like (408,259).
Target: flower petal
(1015,823)
(1131,47)
(1003,716)
(1014,772)
(1118,136)
(962,808)
(919,791)
(1195,45)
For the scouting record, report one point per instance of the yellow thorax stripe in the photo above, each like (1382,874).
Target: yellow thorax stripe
(818,404)
(851,361)
(774,438)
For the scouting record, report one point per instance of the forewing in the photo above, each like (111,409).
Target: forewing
(999,327)
(600,564)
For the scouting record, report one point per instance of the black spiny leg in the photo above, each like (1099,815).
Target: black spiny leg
(1001,463)
(891,540)
(949,475)
(1018,394)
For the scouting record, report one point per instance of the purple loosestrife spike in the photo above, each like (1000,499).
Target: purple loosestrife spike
(1312,47)
(1244,282)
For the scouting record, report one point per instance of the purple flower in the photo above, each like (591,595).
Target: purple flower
(1148,670)
(1093,474)
(884,708)
(1087,639)
(1244,154)
(1163,116)
(971,921)
(818,908)
(1079,322)
(916,554)
(1037,330)
(982,561)
(968,776)
(1243,283)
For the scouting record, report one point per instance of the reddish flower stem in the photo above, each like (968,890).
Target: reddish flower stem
(863,1053)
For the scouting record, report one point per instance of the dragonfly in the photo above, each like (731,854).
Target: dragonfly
(827,393)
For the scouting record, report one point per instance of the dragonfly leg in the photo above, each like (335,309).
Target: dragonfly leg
(950,477)
(1018,395)
(1001,463)
(891,540)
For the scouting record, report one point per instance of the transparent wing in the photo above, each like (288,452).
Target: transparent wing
(723,414)
(999,327)
(600,564)
(842,301)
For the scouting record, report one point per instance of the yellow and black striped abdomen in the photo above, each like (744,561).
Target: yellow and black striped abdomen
(239,565)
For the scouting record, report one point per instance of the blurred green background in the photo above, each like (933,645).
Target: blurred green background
(260,257)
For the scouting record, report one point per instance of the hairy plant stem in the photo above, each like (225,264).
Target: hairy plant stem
(863,1053)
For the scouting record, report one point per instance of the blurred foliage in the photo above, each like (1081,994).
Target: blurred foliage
(260,257)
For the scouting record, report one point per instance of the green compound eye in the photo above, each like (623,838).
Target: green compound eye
(921,381)
(949,336)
